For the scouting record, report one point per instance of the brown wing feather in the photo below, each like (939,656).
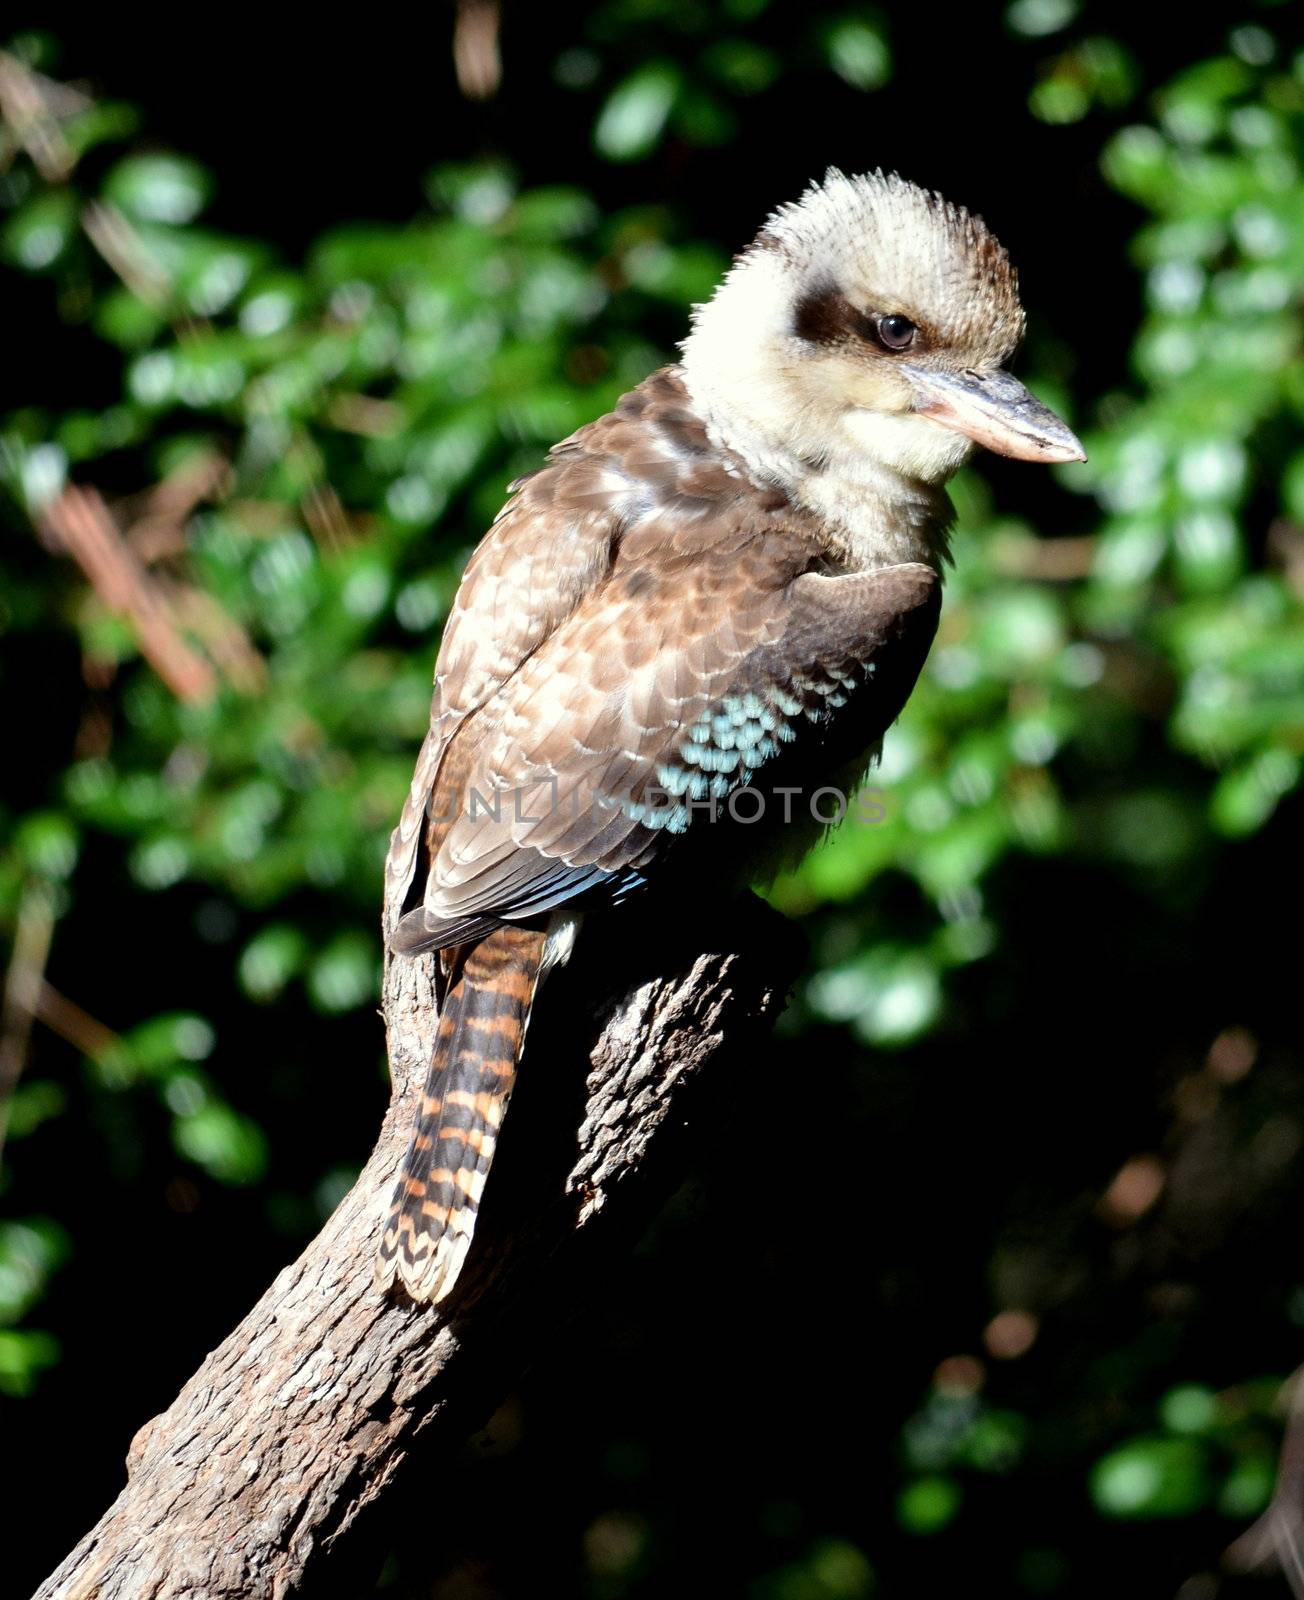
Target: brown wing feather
(638,591)
(552,543)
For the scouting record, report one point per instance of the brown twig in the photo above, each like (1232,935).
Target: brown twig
(124,250)
(326,518)
(226,642)
(33,932)
(1066,560)
(73,1025)
(364,414)
(31,107)
(477,59)
(156,523)
(79,522)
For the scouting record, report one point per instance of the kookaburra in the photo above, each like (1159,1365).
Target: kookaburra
(714,598)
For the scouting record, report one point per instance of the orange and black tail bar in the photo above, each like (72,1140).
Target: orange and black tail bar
(481,1029)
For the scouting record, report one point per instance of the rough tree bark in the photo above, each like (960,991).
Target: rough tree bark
(301,1419)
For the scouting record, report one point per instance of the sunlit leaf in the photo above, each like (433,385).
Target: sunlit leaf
(635,114)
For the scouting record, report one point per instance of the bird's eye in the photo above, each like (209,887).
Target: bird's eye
(896,333)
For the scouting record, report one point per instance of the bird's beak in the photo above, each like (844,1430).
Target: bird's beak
(995,410)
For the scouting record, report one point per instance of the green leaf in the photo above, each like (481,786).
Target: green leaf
(1152,1478)
(1190,1408)
(24,1355)
(47,842)
(858,53)
(1247,1488)
(741,65)
(929,1504)
(634,117)
(159,188)
(33,1104)
(228,1146)
(1247,796)
(154,1048)
(1035,19)
(346,974)
(29,1253)
(832,1569)
(270,959)
(38,235)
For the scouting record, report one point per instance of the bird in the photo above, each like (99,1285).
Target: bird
(714,598)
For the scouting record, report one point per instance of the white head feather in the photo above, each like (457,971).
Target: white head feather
(781,361)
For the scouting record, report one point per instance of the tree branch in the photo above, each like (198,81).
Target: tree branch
(302,1418)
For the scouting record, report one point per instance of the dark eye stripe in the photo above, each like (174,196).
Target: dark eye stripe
(824,315)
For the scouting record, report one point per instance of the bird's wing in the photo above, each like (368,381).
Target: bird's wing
(707,656)
(549,545)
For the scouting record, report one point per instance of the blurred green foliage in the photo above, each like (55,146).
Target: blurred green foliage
(298,454)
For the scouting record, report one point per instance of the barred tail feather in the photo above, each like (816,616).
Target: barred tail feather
(481,1029)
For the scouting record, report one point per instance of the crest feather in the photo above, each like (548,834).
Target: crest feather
(880,236)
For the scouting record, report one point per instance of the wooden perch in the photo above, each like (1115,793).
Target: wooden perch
(249,1483)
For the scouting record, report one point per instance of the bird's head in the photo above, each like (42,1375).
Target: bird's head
(872,317)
